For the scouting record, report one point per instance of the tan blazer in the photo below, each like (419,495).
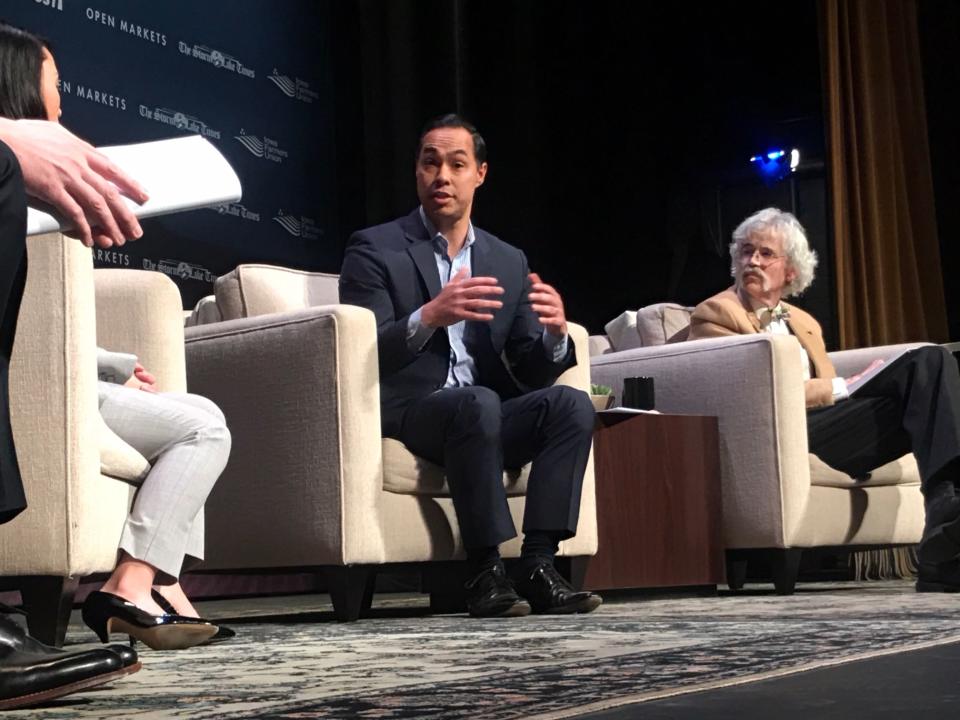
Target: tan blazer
(725,314)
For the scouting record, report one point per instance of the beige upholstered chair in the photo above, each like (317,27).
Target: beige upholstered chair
(776,495)
(310,481)
(73,467)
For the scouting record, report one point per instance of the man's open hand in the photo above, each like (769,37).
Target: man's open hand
(548,305)
(83,185)
(463,298)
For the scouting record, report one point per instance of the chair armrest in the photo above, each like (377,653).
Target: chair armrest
(754,385)
(141,312)
(300,391)
(578,376)
(850,362)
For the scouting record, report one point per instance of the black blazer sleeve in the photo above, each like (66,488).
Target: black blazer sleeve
(526,356)
(364,282)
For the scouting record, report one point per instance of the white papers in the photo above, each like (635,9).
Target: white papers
(866,377)
(179,174)
(620,410)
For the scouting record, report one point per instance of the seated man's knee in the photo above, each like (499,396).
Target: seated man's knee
(575,405)
(479,410)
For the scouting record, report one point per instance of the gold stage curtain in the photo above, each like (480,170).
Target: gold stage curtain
(886,251)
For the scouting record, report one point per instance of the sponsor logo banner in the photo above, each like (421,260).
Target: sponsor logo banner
(301,227)
(179,120)
(293,88)
(125,26)
(216,58)
(94,95)
(267,148)
(180,269)
(237,210)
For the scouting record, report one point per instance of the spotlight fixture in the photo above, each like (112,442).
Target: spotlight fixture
(776,164)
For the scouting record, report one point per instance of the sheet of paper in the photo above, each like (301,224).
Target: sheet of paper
(179,174)
(620,410)
(867,377)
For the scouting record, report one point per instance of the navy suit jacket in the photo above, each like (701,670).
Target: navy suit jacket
(391,269)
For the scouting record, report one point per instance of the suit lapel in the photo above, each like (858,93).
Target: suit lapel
(751,315)
(480,257)
(421,250)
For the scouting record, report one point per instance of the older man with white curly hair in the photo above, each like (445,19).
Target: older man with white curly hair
(912,404)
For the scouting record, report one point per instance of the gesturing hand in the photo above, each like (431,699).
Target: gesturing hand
(142,380)
(548,305)
(463,298)
(83,185)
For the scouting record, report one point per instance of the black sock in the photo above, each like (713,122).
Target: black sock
(483,558)
(539,546)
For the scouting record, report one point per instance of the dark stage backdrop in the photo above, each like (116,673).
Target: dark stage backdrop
(618,132)
(254,77)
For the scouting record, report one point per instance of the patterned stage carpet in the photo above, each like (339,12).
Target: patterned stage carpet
(291,660)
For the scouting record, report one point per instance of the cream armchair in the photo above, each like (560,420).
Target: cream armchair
(77,474)
(310,482)
(776,495)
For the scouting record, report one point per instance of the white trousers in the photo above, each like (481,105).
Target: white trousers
(186,440)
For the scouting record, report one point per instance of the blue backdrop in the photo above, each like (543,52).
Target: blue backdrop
(253,76)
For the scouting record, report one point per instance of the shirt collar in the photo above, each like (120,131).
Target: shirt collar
(437,237)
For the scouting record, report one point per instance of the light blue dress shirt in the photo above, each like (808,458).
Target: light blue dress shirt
(462,369)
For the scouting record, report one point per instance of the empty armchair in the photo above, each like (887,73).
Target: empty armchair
(311,482)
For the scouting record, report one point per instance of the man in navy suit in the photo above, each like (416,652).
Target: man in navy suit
(470,343)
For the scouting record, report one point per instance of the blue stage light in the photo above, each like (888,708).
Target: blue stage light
(775,165)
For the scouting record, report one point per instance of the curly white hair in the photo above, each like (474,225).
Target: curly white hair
(772,221)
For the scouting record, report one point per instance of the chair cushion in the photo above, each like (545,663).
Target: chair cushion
(662,323)
(405,473)
(622,331)
(252,290)
(655,324)
(899,472)
(203,313)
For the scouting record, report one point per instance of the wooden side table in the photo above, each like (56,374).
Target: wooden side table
(658,502)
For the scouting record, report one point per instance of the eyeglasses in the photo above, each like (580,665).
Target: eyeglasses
(767,255)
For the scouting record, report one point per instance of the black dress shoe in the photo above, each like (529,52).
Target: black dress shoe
(31,677)
(941,532)
(549,593)
(223,632)
(939,577)
(16,638)
(490,594)
(105,613)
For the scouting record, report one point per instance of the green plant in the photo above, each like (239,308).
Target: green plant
(601,390)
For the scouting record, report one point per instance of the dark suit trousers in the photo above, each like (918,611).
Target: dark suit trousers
(13,271)
(474,435)
(912,405)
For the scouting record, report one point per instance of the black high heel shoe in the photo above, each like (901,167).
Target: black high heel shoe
(223,632)
(105,613)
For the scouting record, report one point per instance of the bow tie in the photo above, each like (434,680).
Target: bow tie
(774,314)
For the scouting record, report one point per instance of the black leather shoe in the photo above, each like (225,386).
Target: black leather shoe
(549,593)
(490,594)
(105,613)
(941,533)
(223,632)
(16,638)
(31,677)
(939,577)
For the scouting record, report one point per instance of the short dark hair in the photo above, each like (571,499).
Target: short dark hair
(21,60)
(452,120)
